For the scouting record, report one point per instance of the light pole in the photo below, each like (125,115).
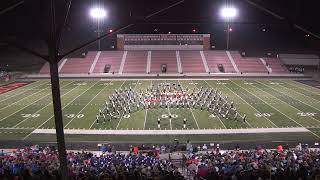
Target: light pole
(228,13)
(98,13)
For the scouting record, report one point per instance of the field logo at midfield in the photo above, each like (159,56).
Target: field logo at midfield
(11,86)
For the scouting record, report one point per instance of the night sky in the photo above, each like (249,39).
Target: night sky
(252,29)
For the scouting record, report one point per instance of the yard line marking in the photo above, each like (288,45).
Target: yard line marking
(286,102)
(46,105)
(241,99)
(23,91)
(307,87)
(299,93)
(24,98)
(261,100)
(194,118)
(123,112)
(169,111)
(86,105)
(145,119)
(111,92)
(62,109)
(145,115)
(24,107)
(297,99)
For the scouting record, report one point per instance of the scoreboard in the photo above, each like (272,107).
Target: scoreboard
(163,41)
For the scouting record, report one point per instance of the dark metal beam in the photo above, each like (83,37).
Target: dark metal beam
(11,7)
(55,86)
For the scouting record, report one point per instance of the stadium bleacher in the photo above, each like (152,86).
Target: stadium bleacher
(135,62)
(79,65)
(191,62)
(163,57)
(248,65)
(218,57)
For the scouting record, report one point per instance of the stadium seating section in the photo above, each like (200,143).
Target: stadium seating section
(191,62)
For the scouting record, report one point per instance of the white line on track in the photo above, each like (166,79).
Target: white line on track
(61,109)
(123,113)
(46,105)
(241,99)
(23,91)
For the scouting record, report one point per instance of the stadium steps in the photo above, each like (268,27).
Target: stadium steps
(269,69)
(149,62)
(232,61)
(123,60)
(62,64)
(179,62)
(94,62)
(204,60)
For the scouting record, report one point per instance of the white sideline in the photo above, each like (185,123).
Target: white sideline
(123,60)
(232,62)
(179,61)
(269,69)
(174,132)
(62,64)
(204,60)
(94,62)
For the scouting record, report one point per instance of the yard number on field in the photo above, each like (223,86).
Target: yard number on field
(304,114)
(81,84)
(30,115)
(263,114)
(74,116)
(165,116)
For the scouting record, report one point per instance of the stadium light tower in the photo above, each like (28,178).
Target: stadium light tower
(98,13)
(228,13)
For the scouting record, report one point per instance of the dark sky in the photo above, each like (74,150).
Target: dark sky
(28,23)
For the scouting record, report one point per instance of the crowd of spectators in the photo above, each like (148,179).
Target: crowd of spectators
(4,75)
(42,163)
(296,69)
(280,164)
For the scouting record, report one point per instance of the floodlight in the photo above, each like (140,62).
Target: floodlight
(228,12)
(98,13)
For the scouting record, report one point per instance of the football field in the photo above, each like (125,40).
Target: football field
(293,108)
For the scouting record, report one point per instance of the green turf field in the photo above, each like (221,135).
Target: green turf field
(267,104)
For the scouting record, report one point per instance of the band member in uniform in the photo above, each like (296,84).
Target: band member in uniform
(184,123)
